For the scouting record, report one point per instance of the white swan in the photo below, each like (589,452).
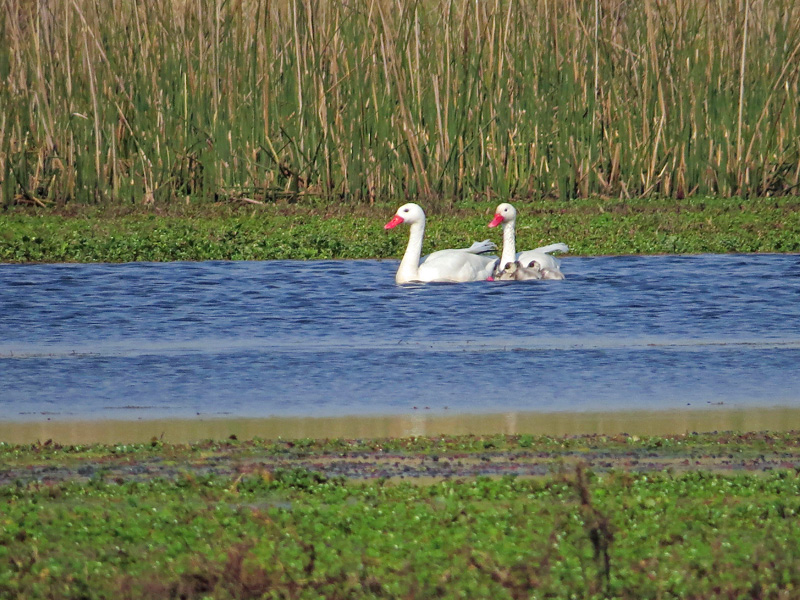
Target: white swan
(507,215)
(456,265)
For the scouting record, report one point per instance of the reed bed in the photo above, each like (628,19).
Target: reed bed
(174,100)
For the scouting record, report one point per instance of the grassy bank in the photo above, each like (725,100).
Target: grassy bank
(311,230)
(153,102)
(242,519)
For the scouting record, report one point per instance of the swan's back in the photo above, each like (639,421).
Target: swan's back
(456,266)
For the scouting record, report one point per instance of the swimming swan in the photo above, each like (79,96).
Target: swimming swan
(454,265)
(507,215)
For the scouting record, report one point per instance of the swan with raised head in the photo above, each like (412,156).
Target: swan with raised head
(454,265)
(507,215)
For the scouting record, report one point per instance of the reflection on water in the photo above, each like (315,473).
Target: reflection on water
(291,341)
(416,424)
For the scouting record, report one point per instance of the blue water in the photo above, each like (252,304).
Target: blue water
(337,338)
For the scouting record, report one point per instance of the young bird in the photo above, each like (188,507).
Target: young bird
(544,272)
(516,272)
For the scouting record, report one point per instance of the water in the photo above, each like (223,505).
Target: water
(339,338)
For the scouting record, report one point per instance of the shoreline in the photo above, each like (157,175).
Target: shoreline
(419,459)
(417,424)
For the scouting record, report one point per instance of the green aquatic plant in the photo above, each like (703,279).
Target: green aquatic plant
(306,231)
(577,533)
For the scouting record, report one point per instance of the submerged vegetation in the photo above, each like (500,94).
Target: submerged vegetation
(598,524)
(156,102)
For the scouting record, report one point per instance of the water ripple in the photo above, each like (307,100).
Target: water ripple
(339,337)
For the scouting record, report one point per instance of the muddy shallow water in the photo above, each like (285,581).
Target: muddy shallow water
(331,346)
(419,423)
(417,459)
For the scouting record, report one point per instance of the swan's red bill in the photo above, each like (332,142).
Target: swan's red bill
(396,220)
(498,218)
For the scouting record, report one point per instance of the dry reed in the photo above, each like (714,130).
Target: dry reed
(164,100)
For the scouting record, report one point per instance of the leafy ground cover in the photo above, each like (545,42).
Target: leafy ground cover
(349,231)
(687,516)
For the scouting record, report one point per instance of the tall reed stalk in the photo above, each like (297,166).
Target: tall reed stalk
(165,100)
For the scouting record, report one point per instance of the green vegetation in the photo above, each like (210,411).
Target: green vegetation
(310,231)
(291,129)
(596,526)
(157,102)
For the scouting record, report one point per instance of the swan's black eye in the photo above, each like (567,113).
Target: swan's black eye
(406,210)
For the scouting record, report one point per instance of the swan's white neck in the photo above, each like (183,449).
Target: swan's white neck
(409,266)
(509,243)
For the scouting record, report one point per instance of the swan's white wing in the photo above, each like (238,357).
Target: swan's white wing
(557,247)
(456,266)
(540,255)
(482,247)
